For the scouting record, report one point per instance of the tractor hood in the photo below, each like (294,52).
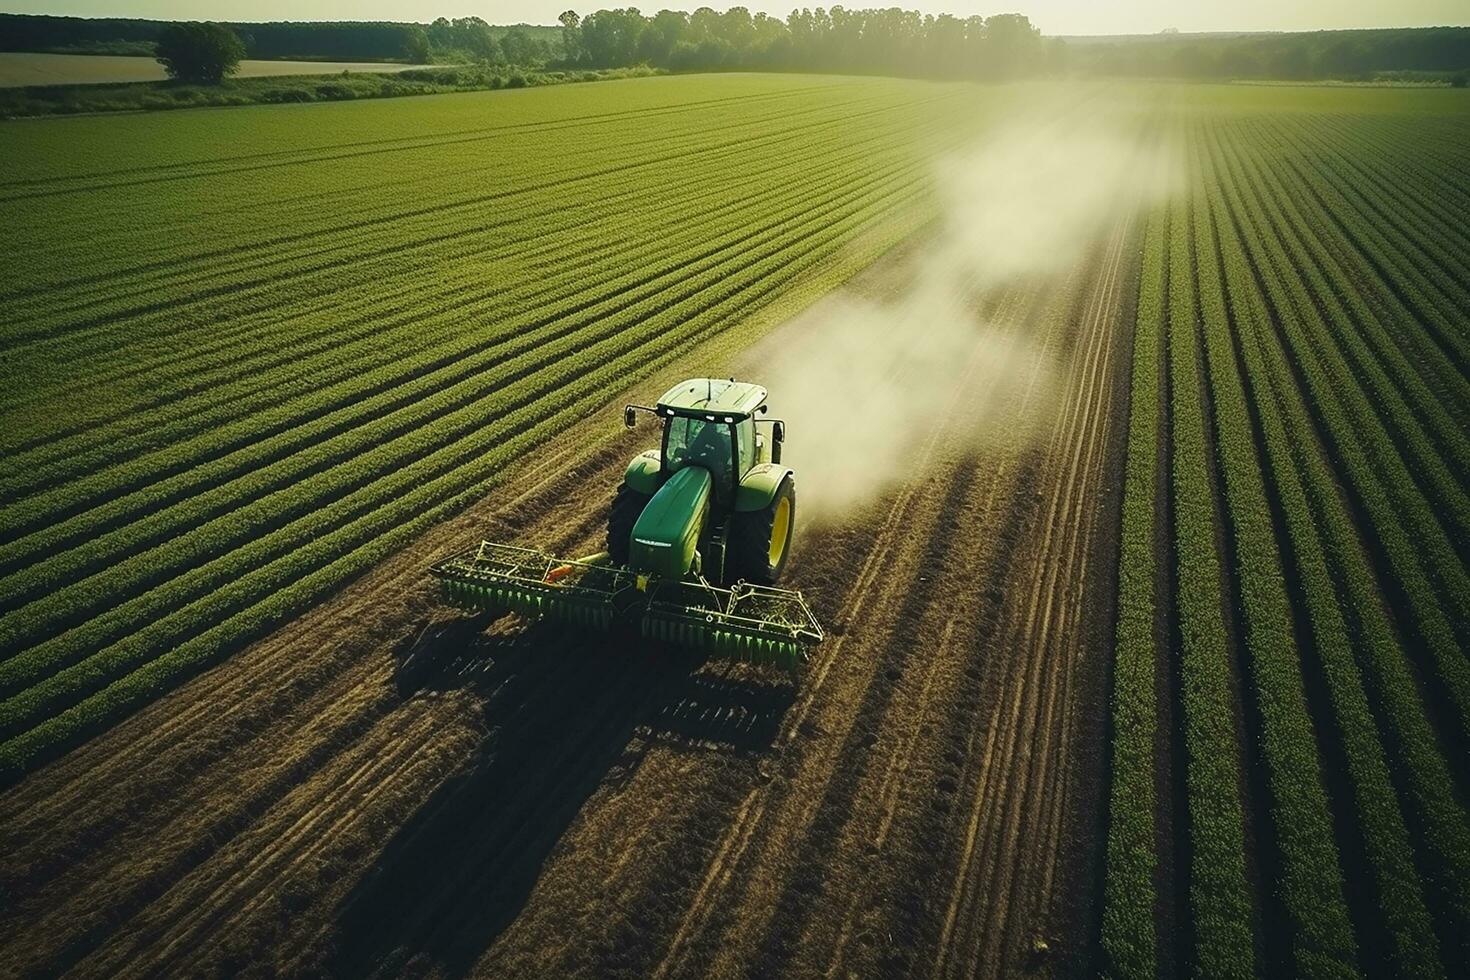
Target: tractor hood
(667,532)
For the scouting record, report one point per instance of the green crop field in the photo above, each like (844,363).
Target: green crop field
(253,354)
(1298,445)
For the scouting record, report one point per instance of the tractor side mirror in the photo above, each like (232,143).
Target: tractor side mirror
(630,416)
(778,431)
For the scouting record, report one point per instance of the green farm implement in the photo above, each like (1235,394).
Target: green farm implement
(698,535)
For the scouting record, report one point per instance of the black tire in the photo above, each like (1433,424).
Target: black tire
(627,504)
(752,555)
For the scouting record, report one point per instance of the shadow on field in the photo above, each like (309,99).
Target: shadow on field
(565,713)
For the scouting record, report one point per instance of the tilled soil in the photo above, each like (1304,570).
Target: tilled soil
(386,786)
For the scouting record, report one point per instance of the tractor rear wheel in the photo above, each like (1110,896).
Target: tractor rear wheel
(627,504)
(760,540)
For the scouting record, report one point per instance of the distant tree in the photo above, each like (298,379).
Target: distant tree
(948,47)
(610,37)
(664,33)
(1238,61)
(1012,45)
(196,52)
(571,35)
(472,34)
(463,39)
(519,48)
(1346,59)
(1291,61)
(416,45)
(441,33)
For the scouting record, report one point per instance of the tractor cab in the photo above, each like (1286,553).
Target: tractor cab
(712,423)
(713,487)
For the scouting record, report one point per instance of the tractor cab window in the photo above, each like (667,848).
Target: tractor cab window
(745,444)
(695,442)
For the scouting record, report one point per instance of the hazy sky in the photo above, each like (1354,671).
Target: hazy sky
(1052,16)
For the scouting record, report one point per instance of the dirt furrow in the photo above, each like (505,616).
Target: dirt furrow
(1023,752)
(952,658)
(1069,583)
(247,872)
(1022,663)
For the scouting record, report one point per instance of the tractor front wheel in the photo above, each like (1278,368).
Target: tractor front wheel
(626,506)
(760,540)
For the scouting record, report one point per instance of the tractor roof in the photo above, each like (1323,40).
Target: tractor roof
(714,396)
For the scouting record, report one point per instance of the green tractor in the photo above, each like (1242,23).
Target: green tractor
(698,535)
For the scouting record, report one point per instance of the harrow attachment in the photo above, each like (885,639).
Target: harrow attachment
(751,623)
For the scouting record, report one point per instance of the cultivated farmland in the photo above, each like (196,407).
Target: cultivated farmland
(1153,660)
(1290,685)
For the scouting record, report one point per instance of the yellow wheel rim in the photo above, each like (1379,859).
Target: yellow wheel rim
(780,530)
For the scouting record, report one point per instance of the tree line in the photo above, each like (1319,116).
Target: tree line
(1299,56)
(887,41)
(893,41)
(465,39)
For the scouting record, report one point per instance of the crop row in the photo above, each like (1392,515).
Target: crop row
(58,160)
(1391,299)
(1376,353)
(1428,782)
(1416,290)
(284,235)
(108,573)
(1388,406)
(1383,254)
(247,357)
(1309,883)
(174,321)
(1435,245)
(293,203)
(1303,413)
(413,325)
(1128,933)
(1440,354)
(1219,897)
(178,645)
(280,308)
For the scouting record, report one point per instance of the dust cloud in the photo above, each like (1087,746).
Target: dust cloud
(864,381)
